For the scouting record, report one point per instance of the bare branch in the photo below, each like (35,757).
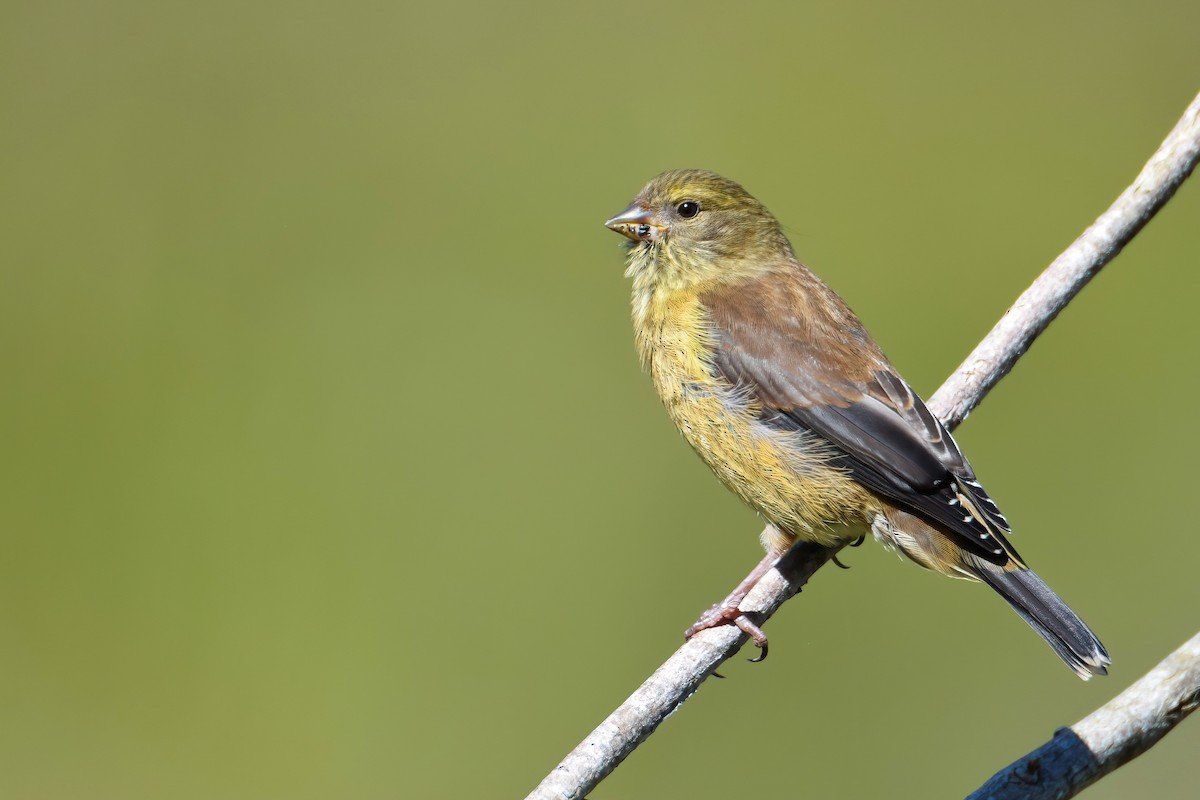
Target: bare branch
(1169,167)
(673,682)
(677,679)
(1115,734)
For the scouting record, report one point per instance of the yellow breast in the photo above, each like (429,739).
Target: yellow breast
(785,476)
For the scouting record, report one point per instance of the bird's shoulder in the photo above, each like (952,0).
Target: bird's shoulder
(790,334)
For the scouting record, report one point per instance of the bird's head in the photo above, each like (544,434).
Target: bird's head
(691,226)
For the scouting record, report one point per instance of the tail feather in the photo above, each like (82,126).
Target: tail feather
(1047,614)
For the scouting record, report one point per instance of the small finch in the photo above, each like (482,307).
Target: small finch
(776,384)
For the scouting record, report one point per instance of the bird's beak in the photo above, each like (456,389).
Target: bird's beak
(637,222)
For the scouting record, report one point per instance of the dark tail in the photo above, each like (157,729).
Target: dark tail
(1047,614)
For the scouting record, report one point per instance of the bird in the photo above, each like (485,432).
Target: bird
(779,388)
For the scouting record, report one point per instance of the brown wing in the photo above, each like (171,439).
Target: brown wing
(806,360)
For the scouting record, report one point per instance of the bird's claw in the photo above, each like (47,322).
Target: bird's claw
(861,538)
(756,635)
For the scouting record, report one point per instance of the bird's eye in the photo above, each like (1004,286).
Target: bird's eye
(688,209)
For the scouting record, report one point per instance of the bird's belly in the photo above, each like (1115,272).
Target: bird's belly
(786,476)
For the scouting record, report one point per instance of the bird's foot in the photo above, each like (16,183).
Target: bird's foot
(726,614)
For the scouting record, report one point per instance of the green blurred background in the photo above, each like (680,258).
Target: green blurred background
(329,470)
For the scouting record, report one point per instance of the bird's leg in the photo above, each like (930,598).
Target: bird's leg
(727,612)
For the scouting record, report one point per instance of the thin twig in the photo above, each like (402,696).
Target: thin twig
(1115,734)
(677,679)
(1169,167)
